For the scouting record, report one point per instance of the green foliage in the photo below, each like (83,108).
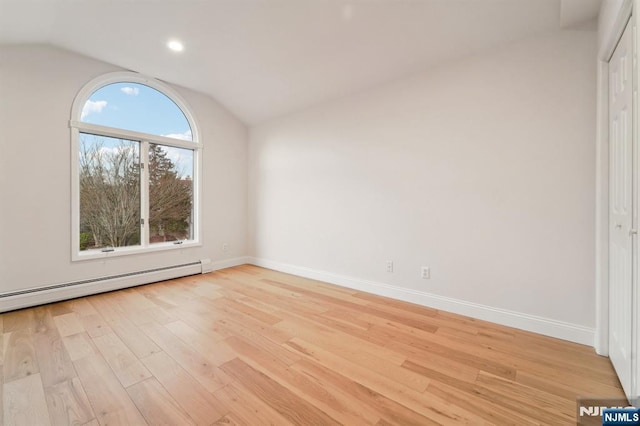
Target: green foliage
(85,240)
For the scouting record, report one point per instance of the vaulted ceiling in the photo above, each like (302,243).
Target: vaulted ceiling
(266,58)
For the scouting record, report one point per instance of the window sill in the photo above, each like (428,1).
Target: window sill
(129,251)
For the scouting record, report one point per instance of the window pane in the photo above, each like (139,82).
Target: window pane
(133,106)
(109,192)
(170,194)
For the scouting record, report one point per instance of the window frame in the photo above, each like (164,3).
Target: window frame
(77,126)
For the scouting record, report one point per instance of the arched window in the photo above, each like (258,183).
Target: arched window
(135,159)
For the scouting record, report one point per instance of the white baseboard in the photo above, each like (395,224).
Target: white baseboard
(226,263)
(549,327)
(41,296)
(71,290)
(545,326)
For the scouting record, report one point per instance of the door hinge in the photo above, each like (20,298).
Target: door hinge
(142,166)
(141,221)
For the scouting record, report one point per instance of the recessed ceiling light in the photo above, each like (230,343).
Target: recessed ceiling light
(175,45)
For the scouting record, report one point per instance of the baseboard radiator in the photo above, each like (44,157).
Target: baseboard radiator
(13,300)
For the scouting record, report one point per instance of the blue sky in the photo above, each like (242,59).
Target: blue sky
(133,106)
(140,108)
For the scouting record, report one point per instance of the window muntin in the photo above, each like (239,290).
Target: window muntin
(170,153)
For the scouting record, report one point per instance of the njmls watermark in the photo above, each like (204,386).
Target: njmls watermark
(607,412)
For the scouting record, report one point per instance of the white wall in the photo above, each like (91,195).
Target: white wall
(37,87)
(482,170)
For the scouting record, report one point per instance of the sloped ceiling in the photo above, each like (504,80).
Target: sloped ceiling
(265,58)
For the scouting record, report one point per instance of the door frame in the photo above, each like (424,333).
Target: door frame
(609,43)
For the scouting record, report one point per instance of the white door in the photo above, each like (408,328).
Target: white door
(621,208)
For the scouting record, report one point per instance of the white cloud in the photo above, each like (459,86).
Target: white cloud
(91,107)
(186,136)
(131,91)
(182,159)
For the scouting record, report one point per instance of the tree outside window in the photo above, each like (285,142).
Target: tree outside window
(136,171)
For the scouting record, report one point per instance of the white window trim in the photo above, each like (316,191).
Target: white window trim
(77,126)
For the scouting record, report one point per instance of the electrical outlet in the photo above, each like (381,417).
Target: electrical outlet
(225,247)
(389,265)
(425,273)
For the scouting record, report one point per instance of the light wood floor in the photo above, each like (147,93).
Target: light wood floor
(250,346)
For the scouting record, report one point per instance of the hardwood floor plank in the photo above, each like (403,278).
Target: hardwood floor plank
(155,314)
(335,340)
(59,308)
(107,306)
(254,303)
(81,306)
(373,360)
(24,402)
(546,362)
(558,407)
(442,364)
(68,403)
(68,324)
(251,346)
(159,298)
(347,317)
(296,281)
(131,301)
(79,346)
(217,351)
(156,405)
(363,400)
(109,400)
(18,320)
(238,323)
(20,358)
(458,354)
(247,409)
(485,408)
(129,333)
(95,325)
(330,402)
(433,408)
(515,406)
(566,388)
(53,360)
(122,361)
(139,343)
(206,290)
(205,323)
(229,420)
(265,295)
(203,370)
(281,399)
(201,405)
(324,294)
(403,306)
(254,313)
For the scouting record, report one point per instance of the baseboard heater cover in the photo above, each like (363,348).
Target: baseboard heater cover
(40,295)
